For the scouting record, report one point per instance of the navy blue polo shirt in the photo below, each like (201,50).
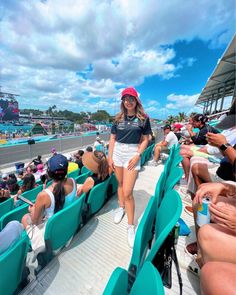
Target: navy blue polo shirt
(130,131)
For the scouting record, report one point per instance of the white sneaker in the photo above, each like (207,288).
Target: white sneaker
(131,235)
(153,163)
(119,214)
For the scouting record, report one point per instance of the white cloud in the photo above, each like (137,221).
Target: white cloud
(46,43)
(182,103)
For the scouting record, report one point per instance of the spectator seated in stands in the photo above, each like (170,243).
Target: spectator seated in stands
(165,145)
(78,158)
(10,234)
(53,151)
(4,180)
(60,193)
(217,240)
(36,161)
(202,170)
(89,149)
(40,171)
(97,163)
(198,121)
(13,187)
(177,132)
(98,144)
(28,184)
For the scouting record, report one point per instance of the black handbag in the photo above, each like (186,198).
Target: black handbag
(163,261)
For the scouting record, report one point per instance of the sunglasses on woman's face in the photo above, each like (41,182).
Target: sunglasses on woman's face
(130,99)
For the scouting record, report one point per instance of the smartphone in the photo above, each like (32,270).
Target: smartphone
(25,200)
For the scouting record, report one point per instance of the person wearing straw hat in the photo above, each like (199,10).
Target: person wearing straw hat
(129,138)
(97,163)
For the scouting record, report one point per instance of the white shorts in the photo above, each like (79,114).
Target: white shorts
(123,153)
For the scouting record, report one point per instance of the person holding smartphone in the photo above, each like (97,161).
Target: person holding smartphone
(50,200)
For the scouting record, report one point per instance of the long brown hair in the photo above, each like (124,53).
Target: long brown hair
(139,112)
(103,167)
(58,190)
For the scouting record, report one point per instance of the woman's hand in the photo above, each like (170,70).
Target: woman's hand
(211,189)
(111,163)
(31,209)
(216,139)
(223,215)
(79,191)
(133,162)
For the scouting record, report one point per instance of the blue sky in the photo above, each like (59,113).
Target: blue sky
(79,55)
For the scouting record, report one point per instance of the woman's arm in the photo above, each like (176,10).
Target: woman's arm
(143,144)
(86,187)
(37,210)
(110,151)
(213,190)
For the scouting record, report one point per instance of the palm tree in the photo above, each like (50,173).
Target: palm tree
(182,116)
(171,119)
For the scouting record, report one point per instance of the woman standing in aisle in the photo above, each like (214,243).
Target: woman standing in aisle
(129,138)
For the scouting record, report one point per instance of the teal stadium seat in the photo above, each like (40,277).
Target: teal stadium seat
(114,183)
(148,282)
(15,214)
(167,216)
(143,237)
(6,206)
(12,263)
(173,178)
(62,226)
(32,194)
(84,170)
(97,197)
(73,174)
(81,178)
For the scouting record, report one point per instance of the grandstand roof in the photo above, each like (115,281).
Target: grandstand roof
(222,81)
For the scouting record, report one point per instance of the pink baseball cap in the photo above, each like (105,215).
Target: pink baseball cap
(40,167)
(131,91)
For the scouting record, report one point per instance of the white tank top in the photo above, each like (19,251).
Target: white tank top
(50,210)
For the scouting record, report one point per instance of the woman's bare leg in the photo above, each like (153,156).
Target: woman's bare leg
(119,176)
(129,178)
(218,278)
(200,173)
(217,243)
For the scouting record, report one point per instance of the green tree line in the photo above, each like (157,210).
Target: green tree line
(81,117)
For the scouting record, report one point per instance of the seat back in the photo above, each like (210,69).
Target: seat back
(100,148)
(150,151)
(97,196)
(11,265)
(84,170)
(32,194)
(81,178)
(173,178)
(63,225)
(15,214)
(143,157)
(118,283)
(73,174)
(114,183)
(167,216)
(6,206)
(149,280)
(144,235)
